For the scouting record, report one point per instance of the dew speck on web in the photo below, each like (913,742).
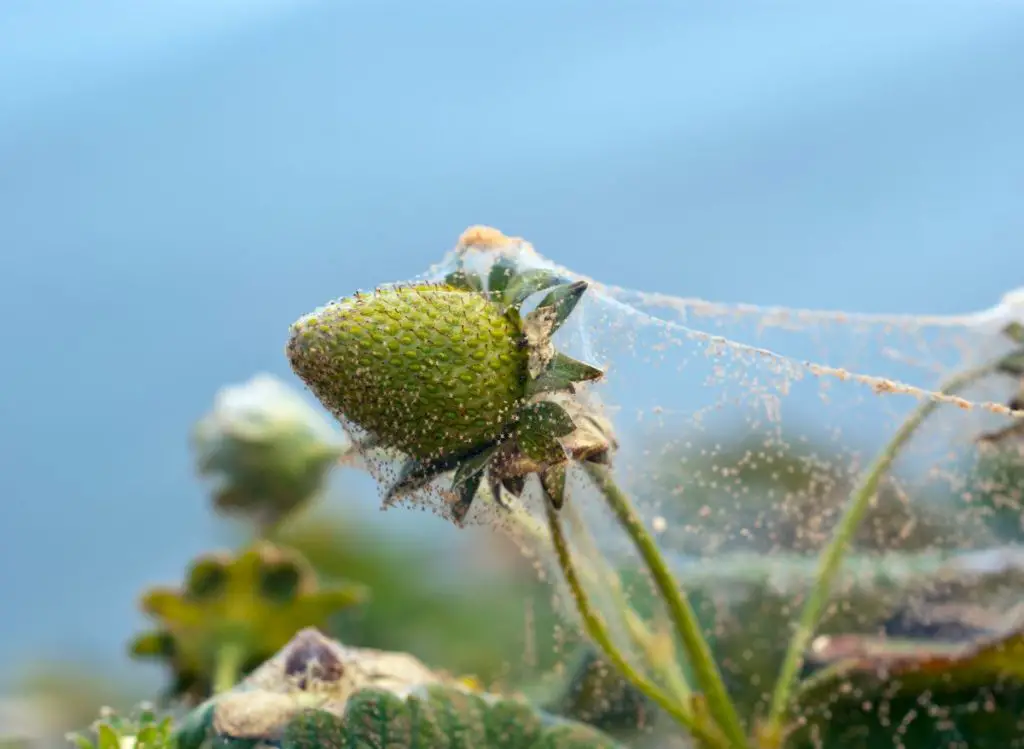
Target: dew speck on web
(742,432)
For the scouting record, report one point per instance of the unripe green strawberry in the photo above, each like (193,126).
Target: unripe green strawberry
(433,371)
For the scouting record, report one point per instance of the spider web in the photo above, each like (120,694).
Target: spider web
(744,429)
(716,403)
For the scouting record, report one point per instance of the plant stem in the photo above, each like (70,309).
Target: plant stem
(639,632)
(684,618)
(831,558)
(598,632)
(664,663)
(230,656)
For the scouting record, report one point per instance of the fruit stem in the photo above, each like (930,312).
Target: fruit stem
(831,558)
(639,632)
(230,656)
(643,638)
(698,652)
(599,633)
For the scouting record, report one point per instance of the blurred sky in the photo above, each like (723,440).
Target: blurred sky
(179,182)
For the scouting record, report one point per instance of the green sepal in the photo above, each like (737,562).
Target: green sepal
(467,493)
(514,485)
(540,426)
(561,374)
(414,475)
(80,742)
(553,482)
(1015,332)
(498,485)
(207,579)
(575,736)
(315,728)
(196,728)
(107,737)
(526,284)
(465,280)
(502,273)
(547,416)
(377,718)
(473,466)
(559,304)
(512,725)
(426,730)
(459,715)
(152,644)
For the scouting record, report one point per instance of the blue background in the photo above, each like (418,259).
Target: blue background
(178,183)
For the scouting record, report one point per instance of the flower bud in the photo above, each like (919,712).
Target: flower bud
(267,450)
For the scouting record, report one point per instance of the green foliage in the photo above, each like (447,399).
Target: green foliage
(596,694)
(434,717)
(249,604)
(941,653)
(463,622)
(317,692)
(967,692)
(792,492)
(142,730)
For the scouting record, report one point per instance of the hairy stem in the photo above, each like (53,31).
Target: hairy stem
(698,652)
(831,558)
(598,632)
(660,658)
(641,635)
(228,667)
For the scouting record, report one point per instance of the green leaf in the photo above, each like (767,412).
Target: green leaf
(80,741)
(561,301)
(315,729)
(561,374)
(423,715)
(924,664)
(502,272)
(196,727)
(377,719)
(146,737)
(232,742)
(108,737)
(576,736)
(166,728)
(460,716)
(528,283)
(871,684)
(598,695)
(426,732)
(512,725)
